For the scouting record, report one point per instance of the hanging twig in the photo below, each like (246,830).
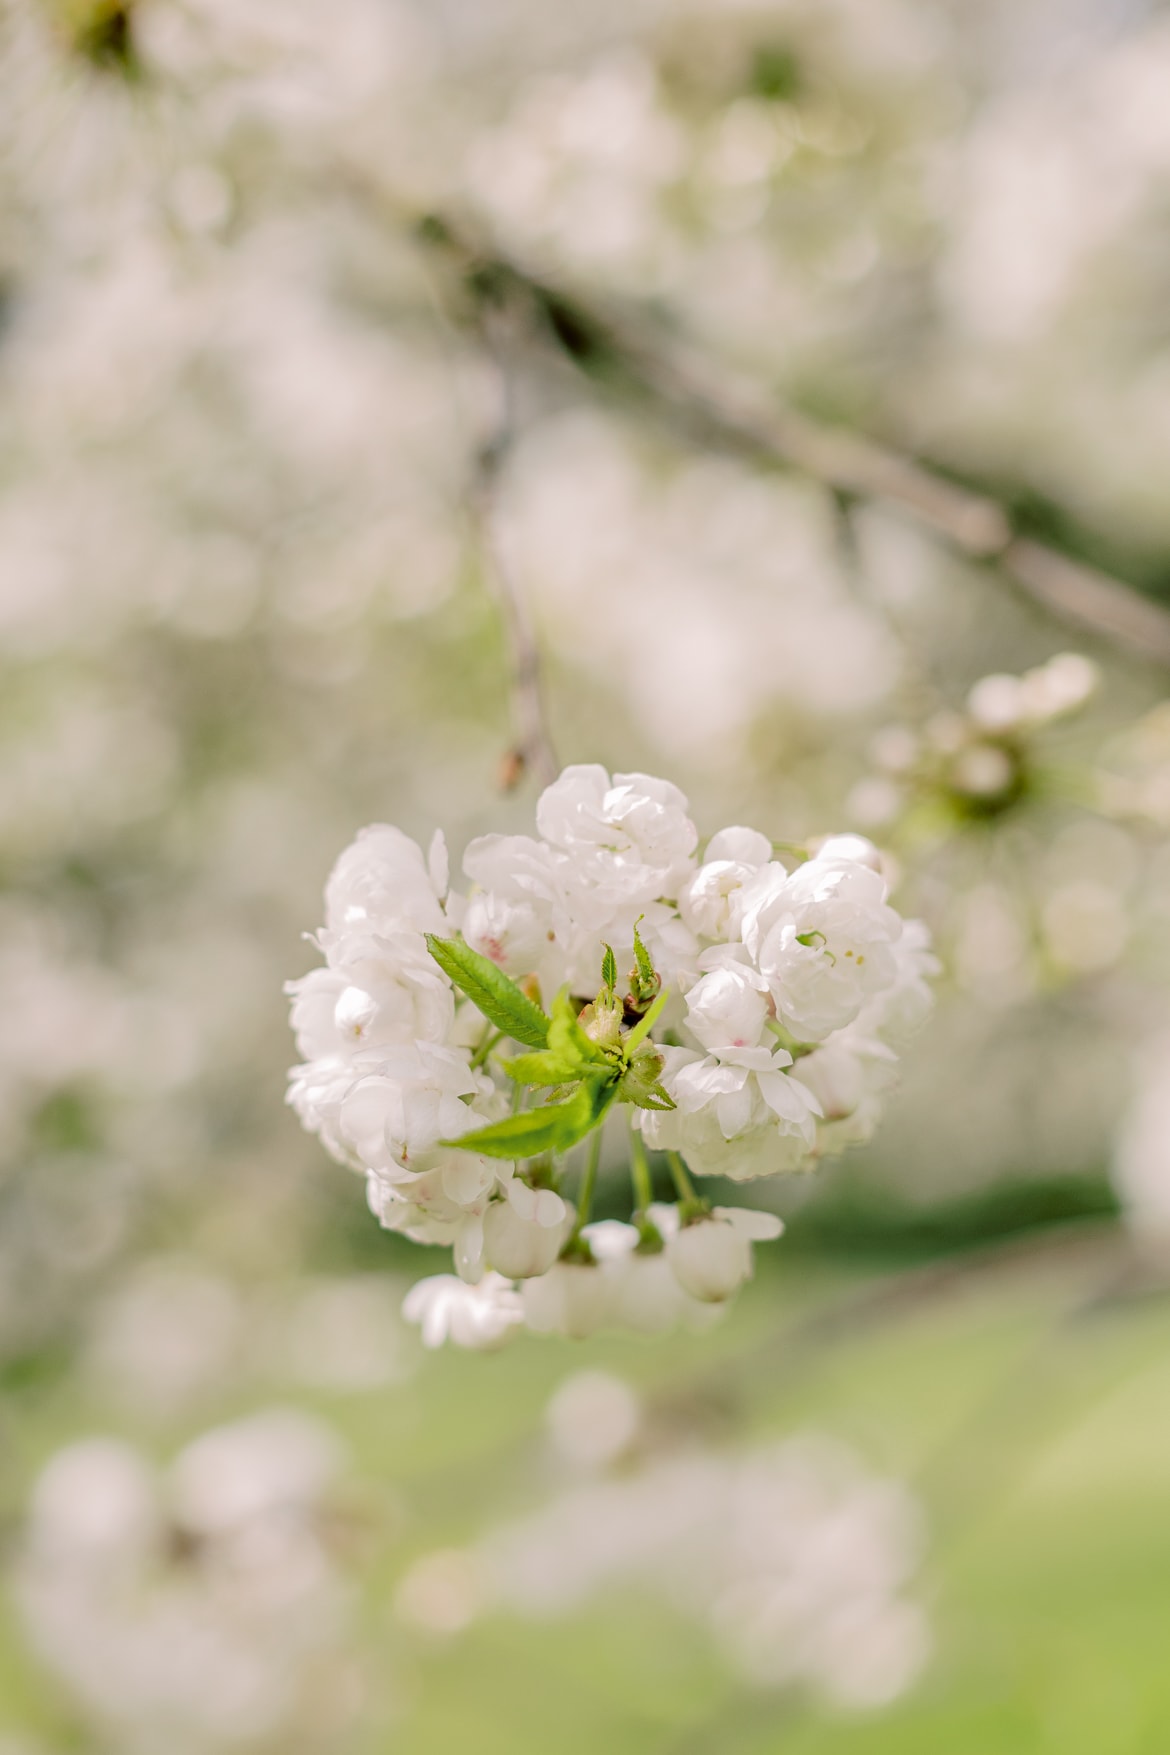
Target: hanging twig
(531,751)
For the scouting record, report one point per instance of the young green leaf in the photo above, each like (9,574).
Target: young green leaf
(644,977)
(499,999)
(609,970)
(645,1024)
(646,968)
(552,1129)
(550,1067)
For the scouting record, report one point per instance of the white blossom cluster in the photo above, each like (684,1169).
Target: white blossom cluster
(979,760)
(200,1608)
(777,990)
(792,1556)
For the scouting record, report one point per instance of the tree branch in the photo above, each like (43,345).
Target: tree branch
(724,410)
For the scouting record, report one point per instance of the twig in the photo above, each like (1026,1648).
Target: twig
(532,746)
(713,405)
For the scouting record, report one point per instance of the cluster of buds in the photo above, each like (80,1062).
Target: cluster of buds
(754,1030)
(979,762)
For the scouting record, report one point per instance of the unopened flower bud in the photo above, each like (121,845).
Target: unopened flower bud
(522,1241)
(712,1256)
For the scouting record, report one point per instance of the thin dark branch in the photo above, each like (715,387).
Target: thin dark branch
(710,403)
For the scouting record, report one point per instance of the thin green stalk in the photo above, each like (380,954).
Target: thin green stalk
(588,1180)
(640,1172)
(794,847)
(489,1041)
(682,1181)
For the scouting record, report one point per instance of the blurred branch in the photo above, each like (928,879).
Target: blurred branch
(716,407)
(1098,1253)
(532,747)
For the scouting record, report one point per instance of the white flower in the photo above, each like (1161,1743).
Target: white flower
(447,1309)
(903,1006)
(858,848)
(548,912)
(741,1115)
(377,991)
(523,1234)
(847,1075)
(394,1118)
(634,816)
(712,1256)
(822,937)
(316,1091)
(382,881)
(1061,686)
(728,1007)
(435,1205)
(572,1299)
(709,902)
(519,917)
(512,934)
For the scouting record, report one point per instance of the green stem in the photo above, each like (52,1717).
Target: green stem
(588,1181)
(793,847)
(640,1172)
(489,1041)
(787,1040)
(682,1180)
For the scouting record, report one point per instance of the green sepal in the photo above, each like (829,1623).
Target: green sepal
(655,1096)
(498,998)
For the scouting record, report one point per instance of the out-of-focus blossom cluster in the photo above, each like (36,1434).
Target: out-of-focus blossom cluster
(789,985)
(201,1608)
(975,763)
(794,1556)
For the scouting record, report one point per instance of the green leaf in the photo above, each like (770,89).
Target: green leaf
(609,970)
(547,1068)
(499,999)
(566,1035)
(554,1128)
(644,1025)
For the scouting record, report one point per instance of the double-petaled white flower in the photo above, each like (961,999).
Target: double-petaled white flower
(822,937)
(710,901)
(728,1007)
(448,1309)
(376,992)
(739,1114)
(382,881)
(395,1117)
(626,828)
